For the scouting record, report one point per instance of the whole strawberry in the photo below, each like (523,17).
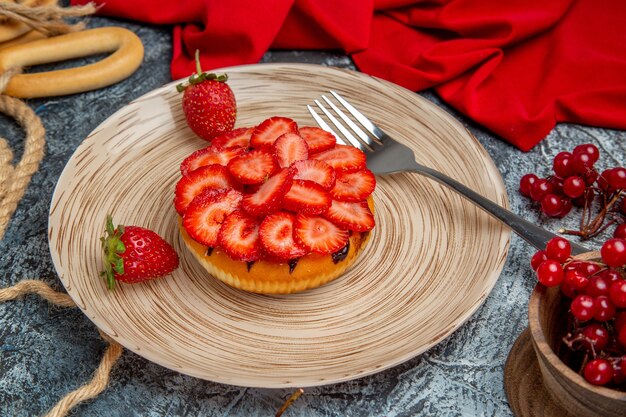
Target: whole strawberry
(134,254)
(208,103)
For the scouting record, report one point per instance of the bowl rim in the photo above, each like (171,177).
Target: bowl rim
(541,343)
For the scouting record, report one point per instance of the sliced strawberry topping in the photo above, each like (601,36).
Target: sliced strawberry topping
(290,148)
(354,186)
(253,167)
(307,197)
(270,129)
(316,171)
(206,213)
(239,237)
(238,138)
(268,198)
(318,234)
(276,235)
(343,158)
(208,156)
(318,139)
(352,216)
(198,180)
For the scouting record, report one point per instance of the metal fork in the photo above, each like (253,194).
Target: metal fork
(387,156)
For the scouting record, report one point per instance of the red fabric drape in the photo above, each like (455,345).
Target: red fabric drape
(516,67)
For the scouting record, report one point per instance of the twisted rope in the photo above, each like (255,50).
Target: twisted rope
(46,19)
(34,286)
(14,180)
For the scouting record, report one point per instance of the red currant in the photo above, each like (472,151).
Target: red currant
(561,164)
(617,179)
(617,293)
(574,186)
(611,275)
(537,259)
(581,162)
(605,310)
(550,273)
(525,183)
(597,334)
(567,206)
(557,185)
(558,249)
(576,280)
(572,266)
(598,285)
(590,176)
(551,205)
(590,149)
(598,372)
(620,231)
(613,252)
(588,268)
(540,189)
(583,307)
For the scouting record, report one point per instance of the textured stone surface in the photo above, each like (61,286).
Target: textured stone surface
(46,351)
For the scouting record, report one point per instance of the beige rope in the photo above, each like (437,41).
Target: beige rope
(14,180)
(46,19)
(112,353)
(6,167)
(33,286)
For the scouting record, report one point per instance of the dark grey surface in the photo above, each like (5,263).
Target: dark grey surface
(46,351)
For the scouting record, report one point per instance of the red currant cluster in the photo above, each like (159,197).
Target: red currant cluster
(597,313)
(576,181)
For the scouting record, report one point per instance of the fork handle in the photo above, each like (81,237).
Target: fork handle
(533,234)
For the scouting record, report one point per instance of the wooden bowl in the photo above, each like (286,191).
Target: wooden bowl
(546,313)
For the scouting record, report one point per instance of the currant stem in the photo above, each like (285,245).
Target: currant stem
(599,219)
(601,229)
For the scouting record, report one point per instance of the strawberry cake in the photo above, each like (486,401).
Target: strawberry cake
(275,208)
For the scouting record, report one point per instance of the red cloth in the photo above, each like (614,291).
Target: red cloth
(516,67)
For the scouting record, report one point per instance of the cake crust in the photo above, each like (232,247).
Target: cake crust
(265,277)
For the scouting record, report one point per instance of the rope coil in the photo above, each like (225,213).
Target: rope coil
(15,179)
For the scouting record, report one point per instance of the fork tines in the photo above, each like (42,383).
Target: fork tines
(364,141)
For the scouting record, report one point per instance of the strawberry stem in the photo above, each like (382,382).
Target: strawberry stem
(200,76)
(112,246)
(198,68)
